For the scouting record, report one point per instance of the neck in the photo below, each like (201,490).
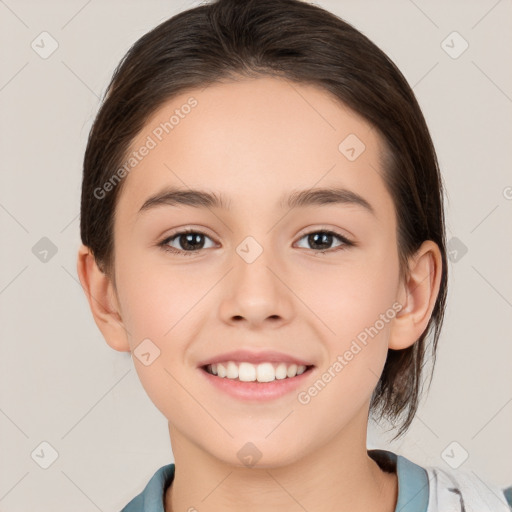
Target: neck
(339,476)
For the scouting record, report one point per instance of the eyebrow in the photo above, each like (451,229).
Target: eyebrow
(297,199)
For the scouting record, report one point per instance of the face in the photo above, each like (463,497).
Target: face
(314,281)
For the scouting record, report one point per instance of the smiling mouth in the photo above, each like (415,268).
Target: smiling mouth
(262,372)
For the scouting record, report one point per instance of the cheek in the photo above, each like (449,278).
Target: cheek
(157,301)
(356,316)
(350,296)
(355,305)
(159,311)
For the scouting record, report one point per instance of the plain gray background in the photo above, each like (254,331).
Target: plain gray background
(62,384)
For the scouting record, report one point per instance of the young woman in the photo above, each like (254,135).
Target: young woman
(263,229)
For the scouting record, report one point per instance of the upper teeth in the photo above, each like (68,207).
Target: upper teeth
(263,372)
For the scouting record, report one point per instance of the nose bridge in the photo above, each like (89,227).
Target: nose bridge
(257,248)
(256,291)
(252,267)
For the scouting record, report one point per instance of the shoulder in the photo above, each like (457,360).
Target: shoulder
(436,489)
(465,491)
(151,499)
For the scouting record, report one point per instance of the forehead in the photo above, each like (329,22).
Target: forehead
(253,140)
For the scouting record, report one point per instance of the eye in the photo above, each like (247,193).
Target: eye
(192,241)
(324,238)
(189,239)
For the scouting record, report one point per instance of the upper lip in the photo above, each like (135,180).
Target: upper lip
(263,356)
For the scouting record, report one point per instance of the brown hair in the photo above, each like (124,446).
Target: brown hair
(303,43)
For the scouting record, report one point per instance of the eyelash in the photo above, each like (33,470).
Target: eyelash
(163,244)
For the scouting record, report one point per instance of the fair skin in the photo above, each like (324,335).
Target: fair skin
(254,141)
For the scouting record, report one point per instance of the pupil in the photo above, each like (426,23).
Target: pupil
(190,237)
(313,240)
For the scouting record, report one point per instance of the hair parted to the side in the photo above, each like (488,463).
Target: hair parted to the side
(302,43)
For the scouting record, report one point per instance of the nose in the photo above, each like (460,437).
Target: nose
(256,293)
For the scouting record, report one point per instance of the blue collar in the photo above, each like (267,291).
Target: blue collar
(413,487)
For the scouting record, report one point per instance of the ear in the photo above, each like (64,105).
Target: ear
(417,296)
(100,293)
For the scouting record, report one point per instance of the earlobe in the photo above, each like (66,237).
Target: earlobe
(417,296)
(104,306)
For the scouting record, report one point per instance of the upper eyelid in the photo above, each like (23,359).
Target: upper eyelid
(186,231)
(313,229)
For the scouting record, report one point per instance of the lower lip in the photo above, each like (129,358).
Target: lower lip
(257,391)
